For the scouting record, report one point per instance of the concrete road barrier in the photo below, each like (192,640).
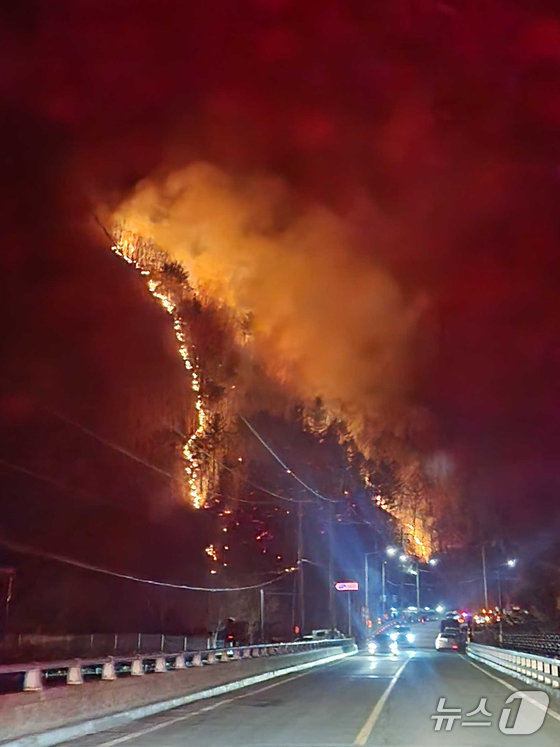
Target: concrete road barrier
(44,716)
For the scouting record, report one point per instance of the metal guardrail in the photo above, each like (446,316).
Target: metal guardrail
(518,663)
(108,668)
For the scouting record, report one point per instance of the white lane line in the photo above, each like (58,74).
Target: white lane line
(367,728)
(171,721)
(513,689)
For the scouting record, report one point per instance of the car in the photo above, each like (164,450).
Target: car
(403,635)
(449,622)
(326,633)
(450,639)
(382,644)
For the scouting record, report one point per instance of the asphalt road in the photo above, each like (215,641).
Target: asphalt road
(363,700)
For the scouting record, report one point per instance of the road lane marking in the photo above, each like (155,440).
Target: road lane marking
(206,709)
(367,728)
(513,689)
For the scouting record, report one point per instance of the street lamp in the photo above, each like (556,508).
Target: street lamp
(510,563)
(416,571)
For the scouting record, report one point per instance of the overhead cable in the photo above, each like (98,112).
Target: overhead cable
(26,550)
(285,466)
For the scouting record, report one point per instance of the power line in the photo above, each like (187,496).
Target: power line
(90,496)
(26,550)
(140,460)
(252,484)
(295,476)
(134,457)
(110,444)
(62,487)
(159,470)
(44,478)
(72,491)
(242,500)
(285,466)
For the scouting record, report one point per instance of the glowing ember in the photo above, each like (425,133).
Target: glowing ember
(211,552)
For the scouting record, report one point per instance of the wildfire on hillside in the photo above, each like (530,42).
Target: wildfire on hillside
(167,280)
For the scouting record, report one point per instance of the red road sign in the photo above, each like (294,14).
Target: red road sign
(347,586)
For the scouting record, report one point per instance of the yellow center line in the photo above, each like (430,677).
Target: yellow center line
(367,728)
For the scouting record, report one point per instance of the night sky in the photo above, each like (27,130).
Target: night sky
(431,128)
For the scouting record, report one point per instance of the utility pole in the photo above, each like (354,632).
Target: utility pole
(483,555)
(383,584)
(294,599)
(417,588)
(366,581)
(9,574)
(262,613)
(331,568)
(501,628)
(366,585)
(300,566)
(500,605)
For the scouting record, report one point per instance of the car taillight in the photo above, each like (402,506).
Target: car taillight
(455,646)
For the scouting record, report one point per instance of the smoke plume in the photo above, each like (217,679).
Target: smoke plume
(325,320)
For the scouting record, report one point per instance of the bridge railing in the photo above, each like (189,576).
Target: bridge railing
(530,667)
(25,647)
(34,676)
